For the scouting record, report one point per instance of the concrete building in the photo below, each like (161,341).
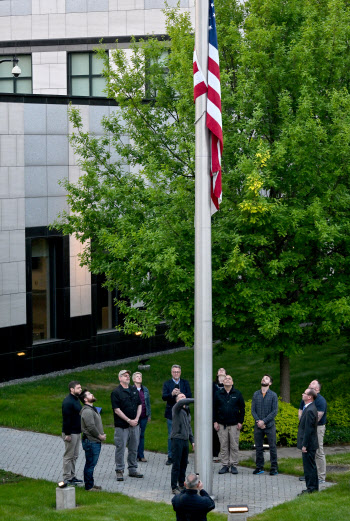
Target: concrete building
(53,314)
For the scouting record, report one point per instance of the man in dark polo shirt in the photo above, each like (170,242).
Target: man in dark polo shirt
(71,430)
(127,406)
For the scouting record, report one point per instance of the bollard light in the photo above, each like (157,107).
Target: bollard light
(237,512)
(62,484)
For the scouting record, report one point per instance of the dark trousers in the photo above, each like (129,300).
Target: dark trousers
(310,470)
(259,435)
(141,448)
(179,451)
(92,452)
(216,444)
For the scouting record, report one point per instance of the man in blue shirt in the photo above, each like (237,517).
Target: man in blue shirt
(321,406)
(171,388)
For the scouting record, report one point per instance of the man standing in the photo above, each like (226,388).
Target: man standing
(171,388)
(307,440)
(264,410)
(321,406)
(127,406)
(229,410)
(71,430)
(191,506)
(181,434)
(93,435)
(145,413)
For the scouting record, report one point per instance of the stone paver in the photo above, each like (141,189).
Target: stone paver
(39,456)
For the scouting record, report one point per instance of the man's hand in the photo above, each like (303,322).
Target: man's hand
(133,423)
(239,426)
(303,449)
(261,424)
(175,391)
(193,446)
(102,437)
(149,418)
(200,485)
(216,426)
(68,438)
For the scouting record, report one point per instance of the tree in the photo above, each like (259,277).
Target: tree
(281,240)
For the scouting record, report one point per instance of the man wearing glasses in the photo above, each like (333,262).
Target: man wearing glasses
(127,406)
(171,388)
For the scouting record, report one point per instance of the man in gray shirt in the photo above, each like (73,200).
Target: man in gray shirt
(181,434)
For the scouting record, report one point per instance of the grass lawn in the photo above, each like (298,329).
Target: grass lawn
(37,406)
(34,500)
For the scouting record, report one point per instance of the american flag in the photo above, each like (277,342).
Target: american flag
(214,119)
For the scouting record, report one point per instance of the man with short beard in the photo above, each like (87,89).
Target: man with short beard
(71,430)
(93,435)
(264,410)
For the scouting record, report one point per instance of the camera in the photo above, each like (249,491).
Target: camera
(16,71)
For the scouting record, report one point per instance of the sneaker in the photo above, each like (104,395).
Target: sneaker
(321,480)
(169,461)
(176,491)
(258,471)
(95,488)
(273,472)
(120,476)
(142,459)
(302,478)
(224,469)
(135,475)
(234,470)
(75,480)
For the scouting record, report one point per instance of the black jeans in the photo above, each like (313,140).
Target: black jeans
(179,451)
(310,470)
(259,435)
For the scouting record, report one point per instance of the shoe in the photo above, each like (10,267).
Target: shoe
(142,459)
(120,476)
(176,491)
(216,460)
(234,470)
(169,461)
(75,480)
(302,478)
(95,488)
(321,480)
(306,491)
(181,487)
(273,472)
(258,471)
(224,469)
(135,475)
(71,483)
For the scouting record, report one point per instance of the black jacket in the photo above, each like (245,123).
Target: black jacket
(168,388)
(229,408)
(307,431)
(191,506)
(71,407)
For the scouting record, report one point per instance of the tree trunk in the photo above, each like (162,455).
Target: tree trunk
(284,378)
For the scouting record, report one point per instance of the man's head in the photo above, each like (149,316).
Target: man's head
(309,395)
(221,372)
(315,385)
(228,381)
(180,396)
(192,481)
(176,371)
(86,397)
(266,380)
(124,377)
(74,388)
(137,378)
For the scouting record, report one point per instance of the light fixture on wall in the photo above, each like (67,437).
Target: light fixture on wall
(16,71)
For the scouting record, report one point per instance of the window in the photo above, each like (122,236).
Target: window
(152,73)
(20,85)
(107,313)
(43,289)
(85,75)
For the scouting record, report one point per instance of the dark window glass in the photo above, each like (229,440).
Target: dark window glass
(85,75)
(20,85)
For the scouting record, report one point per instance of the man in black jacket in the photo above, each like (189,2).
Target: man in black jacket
(229,410)
(181,434)
(71,430)
(193,503)
(307,440)
(171,388)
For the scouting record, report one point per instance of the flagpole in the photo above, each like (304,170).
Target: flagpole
(203,288)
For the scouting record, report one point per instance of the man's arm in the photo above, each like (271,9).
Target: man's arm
(181,403)
(320,414)
(67,417)
(207,501)
(241,405)
(300,412)
(89,423)
(167,395)
(310,422)
(253,408)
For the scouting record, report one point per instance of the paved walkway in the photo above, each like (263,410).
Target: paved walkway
(39,456)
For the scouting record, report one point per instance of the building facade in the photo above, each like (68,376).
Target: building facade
(53,313)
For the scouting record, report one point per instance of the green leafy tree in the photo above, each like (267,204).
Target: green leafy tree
(281,239)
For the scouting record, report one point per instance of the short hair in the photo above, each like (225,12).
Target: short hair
(192,480)
(72,384)
(319,384)
(135,373)
(271,379)
(312,392)
(176,365)
(82,395)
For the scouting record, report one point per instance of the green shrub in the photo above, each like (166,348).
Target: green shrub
(286,425)
(337,414)
(336,435)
